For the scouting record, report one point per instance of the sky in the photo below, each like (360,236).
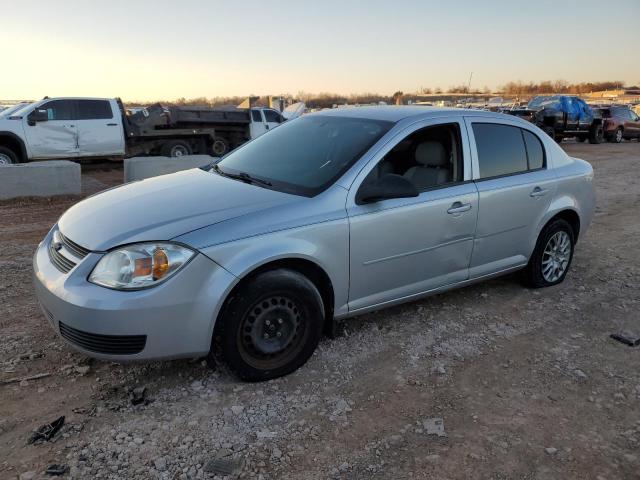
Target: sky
(166,49)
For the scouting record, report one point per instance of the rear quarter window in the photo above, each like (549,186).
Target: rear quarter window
(535,150)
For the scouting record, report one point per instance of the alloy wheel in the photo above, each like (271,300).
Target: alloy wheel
(556,256)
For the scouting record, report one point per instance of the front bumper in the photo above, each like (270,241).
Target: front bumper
(173,319)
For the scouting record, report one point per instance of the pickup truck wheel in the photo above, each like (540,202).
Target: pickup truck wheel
(220,147)
(551,258)
(597,135)
(175,148)
(7,157)
(271,325)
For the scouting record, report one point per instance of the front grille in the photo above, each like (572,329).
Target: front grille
(59,261)
(108,344)
(73,247)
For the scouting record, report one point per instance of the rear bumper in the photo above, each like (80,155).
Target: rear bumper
(174,319)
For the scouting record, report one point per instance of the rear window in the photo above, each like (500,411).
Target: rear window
(505,150)
(501,150)
(94,110)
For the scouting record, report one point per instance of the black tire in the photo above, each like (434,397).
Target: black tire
(533,272)
(596,135)
(176,148)
(7,157)
(618,135)
(220,147)
(272,305)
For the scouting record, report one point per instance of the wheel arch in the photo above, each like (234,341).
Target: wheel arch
(305,266)
(15,143)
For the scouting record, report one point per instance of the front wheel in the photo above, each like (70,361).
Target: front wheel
(271,325)
(219,147)
(552,255)
(7,157)
(617,137)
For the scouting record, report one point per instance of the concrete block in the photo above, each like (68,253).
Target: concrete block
(40,179)
(139,168)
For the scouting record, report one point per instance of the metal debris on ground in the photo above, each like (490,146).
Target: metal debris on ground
(56,469)
(222,464)
(46,432)
(434,426)
(626,340)
(24,379)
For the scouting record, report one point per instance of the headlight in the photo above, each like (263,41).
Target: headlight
(140,265)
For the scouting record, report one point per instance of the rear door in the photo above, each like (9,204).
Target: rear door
(585,118)
(572,111)
(99,129)
(515,189)
(57,137)
(258,124)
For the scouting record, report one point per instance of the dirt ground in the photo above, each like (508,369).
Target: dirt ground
(527,383)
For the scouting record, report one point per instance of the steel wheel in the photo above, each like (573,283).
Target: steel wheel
(556,256)
(272,331)
(219,148)
(179,151)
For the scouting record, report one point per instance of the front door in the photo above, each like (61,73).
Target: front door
(258,125)
(515,189)
(57,137)
(404,247)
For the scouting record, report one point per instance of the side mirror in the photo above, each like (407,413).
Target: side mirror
(386,187)
(37,115)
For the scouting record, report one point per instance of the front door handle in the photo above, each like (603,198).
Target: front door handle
(538,192)
(459,207)
(112,124)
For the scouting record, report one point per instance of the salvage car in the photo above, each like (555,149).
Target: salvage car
(562,116)
(620,122)
(328,216)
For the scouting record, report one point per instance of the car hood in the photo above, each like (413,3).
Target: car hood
(162,208)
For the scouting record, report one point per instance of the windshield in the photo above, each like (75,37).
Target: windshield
(538,103)
(22,111)
(306,155)
(11,110)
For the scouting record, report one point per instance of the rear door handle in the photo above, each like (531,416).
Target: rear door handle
(538,192)
(112,124)
(459,207)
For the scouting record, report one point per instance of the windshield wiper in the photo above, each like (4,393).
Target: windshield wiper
(243,176)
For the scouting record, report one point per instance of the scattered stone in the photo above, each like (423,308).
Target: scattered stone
(137,396)
(434,426)
(551,450)
(56,469)
(82,370)
(579,373)
(28,475)
(160,464)
(237,409)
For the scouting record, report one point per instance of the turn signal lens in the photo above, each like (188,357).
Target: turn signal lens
(160,264)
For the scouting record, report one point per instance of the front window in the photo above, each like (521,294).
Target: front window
(306,155)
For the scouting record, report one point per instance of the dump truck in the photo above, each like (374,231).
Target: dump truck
(101,128)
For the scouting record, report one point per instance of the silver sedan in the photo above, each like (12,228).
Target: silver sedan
(327,216)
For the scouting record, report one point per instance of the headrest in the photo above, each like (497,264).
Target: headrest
(431,154)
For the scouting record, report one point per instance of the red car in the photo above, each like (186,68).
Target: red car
(620,122)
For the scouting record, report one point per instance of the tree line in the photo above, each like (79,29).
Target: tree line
(328,99)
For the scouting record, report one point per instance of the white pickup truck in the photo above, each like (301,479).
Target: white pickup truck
(82,128)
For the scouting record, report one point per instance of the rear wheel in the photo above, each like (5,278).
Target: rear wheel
(552,256)
(596,135)
(219,147)
(176,148)
(271,325)
(617,137)
(7,157)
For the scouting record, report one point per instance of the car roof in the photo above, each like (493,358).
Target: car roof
(401,112)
